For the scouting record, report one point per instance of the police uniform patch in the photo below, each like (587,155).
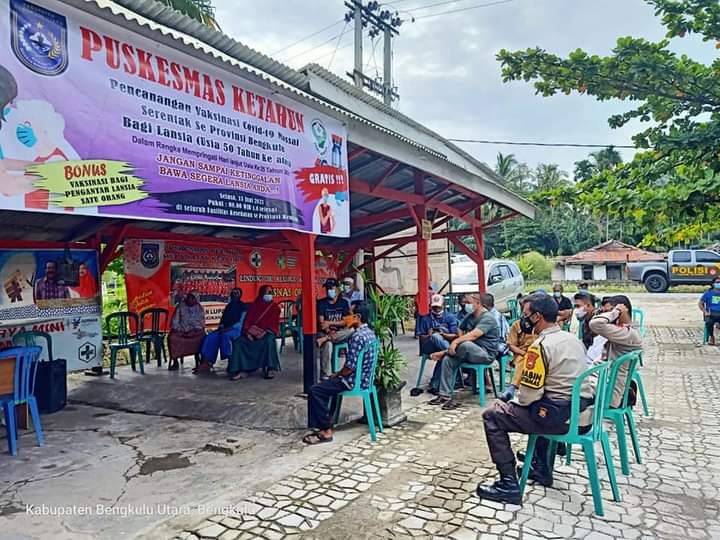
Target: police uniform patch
(533,374)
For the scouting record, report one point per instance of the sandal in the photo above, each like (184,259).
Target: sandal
(450,405)
(268,374)
(316,437)
(440,400)
(238,376)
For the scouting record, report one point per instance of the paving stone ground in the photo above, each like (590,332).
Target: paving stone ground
(418,479)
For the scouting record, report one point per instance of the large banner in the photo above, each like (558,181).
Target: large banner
(53,291)
(98,120)
(161,273)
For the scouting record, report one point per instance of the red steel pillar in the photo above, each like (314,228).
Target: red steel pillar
(422,250)
(480,246)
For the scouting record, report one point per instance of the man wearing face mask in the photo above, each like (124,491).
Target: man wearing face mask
(542,402)
(230,328)
(615,324)
(349,293)
(477,344)
(435,332)
(565,306)
(331,312)
(585,311)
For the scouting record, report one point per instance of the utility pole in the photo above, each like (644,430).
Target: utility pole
(357,13)
(380,21)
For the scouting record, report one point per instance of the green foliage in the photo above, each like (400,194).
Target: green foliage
(200,10)
(671,190)
(535,266)
(115,294)
(390,309)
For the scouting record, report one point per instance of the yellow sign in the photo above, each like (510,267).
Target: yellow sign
(96,182)
(426,229)
(695,270)
(533,374)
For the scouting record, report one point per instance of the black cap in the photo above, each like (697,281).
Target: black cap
(330,283)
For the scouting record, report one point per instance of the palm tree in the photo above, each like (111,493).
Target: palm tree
(607,158)
(200,10)
(549,176)
(513,172)
(506,165)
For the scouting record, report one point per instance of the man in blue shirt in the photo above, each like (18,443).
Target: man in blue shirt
(710,306)
(320,395)
(350,293)
(435,332)
(331,312)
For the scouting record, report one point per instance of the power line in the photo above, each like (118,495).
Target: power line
(345,28)
(517,143)
(308,37)
(313,48)
(463,9)
(428,6)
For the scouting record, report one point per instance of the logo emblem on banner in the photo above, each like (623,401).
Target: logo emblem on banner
(320,135)
(255,259)
(39,38)
(150,255)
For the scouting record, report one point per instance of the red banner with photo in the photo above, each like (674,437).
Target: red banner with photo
(159,273)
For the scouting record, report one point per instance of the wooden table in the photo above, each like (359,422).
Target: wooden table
(7,386)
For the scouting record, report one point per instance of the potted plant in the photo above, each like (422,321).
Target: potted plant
(388,310)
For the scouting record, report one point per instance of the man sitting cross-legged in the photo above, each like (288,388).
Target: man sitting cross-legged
(321,394)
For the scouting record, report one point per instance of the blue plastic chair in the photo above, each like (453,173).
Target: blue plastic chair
(423,360)
(117,328)
(337,347)
(26,359)
(371,404)
(480,370)
(587,440)
(503,364)
(624,412)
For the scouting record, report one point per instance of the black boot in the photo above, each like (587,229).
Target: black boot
(539,474)
(561,451)
(506,490)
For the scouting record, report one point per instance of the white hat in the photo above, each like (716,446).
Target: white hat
(437,300)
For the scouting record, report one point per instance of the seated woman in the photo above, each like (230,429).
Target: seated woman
(229,329)
(187,330)
(256,348)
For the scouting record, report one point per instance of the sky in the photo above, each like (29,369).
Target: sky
(445,67)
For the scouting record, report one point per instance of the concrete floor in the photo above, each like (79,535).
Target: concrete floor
(172,442)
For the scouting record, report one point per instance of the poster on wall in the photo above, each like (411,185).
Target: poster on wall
(160,274)
(53,291)
(183,141)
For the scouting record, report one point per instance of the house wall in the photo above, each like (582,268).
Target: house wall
(573,273)
(599,272)
(558,273)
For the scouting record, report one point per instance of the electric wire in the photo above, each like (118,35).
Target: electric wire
(556,145)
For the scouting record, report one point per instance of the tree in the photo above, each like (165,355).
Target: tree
(671,189)
(200,10)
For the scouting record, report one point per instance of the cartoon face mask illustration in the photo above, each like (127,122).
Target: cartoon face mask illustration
(25,134)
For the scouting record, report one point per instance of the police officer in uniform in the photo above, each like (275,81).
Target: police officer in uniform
(542,402)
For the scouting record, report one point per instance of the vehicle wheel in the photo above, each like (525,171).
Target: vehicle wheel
(656,283)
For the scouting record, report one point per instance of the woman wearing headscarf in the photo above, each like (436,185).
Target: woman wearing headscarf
(229,329)
(187,330)
(256,348)
(87,287)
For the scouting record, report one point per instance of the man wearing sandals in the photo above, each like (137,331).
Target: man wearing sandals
(322,394)
(477,344)
(542,402)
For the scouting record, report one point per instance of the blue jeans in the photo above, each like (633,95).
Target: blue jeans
(219,341)
(435,343)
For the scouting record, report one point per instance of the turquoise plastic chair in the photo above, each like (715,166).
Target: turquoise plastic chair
(26,359)
(337,347)
(371,404)
(624,412)
(587,440)
(117,329)
(514,310)
(289,323)
(32,338)
(638,316)
(423,360)
(503,364)
(479,370)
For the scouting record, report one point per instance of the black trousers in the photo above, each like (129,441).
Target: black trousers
(505,418)
(320,408)
(710,322)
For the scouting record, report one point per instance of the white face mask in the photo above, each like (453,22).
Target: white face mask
(580,313)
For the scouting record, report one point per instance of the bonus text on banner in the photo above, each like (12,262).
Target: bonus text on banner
(78,184)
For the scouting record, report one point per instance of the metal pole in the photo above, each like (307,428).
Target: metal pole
(387,67)
(358,44)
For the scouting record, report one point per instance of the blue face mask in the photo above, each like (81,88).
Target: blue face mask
(469,308)
(268,297)
(332,293)
(26,135)
(347,289)
(716,285)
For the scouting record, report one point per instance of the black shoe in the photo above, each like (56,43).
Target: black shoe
(506,490)
(433,391)
(520,455)
(415,392)
(544,478)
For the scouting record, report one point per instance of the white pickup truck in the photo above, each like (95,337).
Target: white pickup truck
(681,267)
